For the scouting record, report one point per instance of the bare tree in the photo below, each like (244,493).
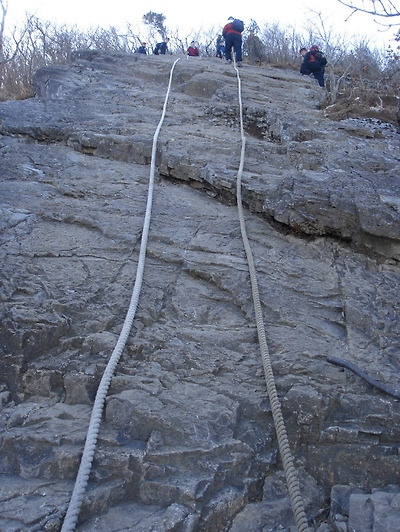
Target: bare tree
(156,22)
(4,7)
(4,57)
(253,47)
(378,8)
(385,9)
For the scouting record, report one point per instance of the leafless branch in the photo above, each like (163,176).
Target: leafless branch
(4,7)
(378,8)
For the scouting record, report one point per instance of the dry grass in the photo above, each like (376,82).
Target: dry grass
(365,99)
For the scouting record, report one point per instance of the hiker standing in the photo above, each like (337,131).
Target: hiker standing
(315,64)
(232,34)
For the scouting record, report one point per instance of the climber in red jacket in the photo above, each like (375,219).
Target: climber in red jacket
(232,34)
(193,51)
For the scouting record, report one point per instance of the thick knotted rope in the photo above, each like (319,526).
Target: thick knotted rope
(95,420)
(283,442)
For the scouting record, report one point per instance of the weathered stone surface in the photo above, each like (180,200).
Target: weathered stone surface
(377,511)
(187,442)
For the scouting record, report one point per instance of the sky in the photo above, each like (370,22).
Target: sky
(204,14)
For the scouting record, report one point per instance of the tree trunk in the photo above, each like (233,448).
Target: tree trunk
(4,6)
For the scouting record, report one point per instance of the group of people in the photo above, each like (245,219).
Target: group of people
(161,48)
(231,39)
(230,42)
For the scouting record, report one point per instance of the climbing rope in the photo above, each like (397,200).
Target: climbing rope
(76,500)
(78,492)
(283,442)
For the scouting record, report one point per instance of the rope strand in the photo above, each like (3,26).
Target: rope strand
(78,492)
(283,442)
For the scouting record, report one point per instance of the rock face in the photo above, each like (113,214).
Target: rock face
(187,442)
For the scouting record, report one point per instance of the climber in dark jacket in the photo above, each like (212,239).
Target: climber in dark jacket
(312,65)
(303,67)
(161,47)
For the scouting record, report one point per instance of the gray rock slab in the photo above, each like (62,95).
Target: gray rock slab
(187,442)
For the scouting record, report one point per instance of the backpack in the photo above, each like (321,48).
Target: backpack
(319,56)
(237,25)
(157,48)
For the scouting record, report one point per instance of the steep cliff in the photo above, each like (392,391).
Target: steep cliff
(187,442)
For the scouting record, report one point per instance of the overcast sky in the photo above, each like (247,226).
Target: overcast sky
(204,13)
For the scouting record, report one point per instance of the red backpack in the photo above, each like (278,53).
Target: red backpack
(317,56)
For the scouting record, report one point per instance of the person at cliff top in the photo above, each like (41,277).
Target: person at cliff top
(303,67)
(220,47)
(193,50)
(314,65)
(142,49)
(161,47)
(232,34)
